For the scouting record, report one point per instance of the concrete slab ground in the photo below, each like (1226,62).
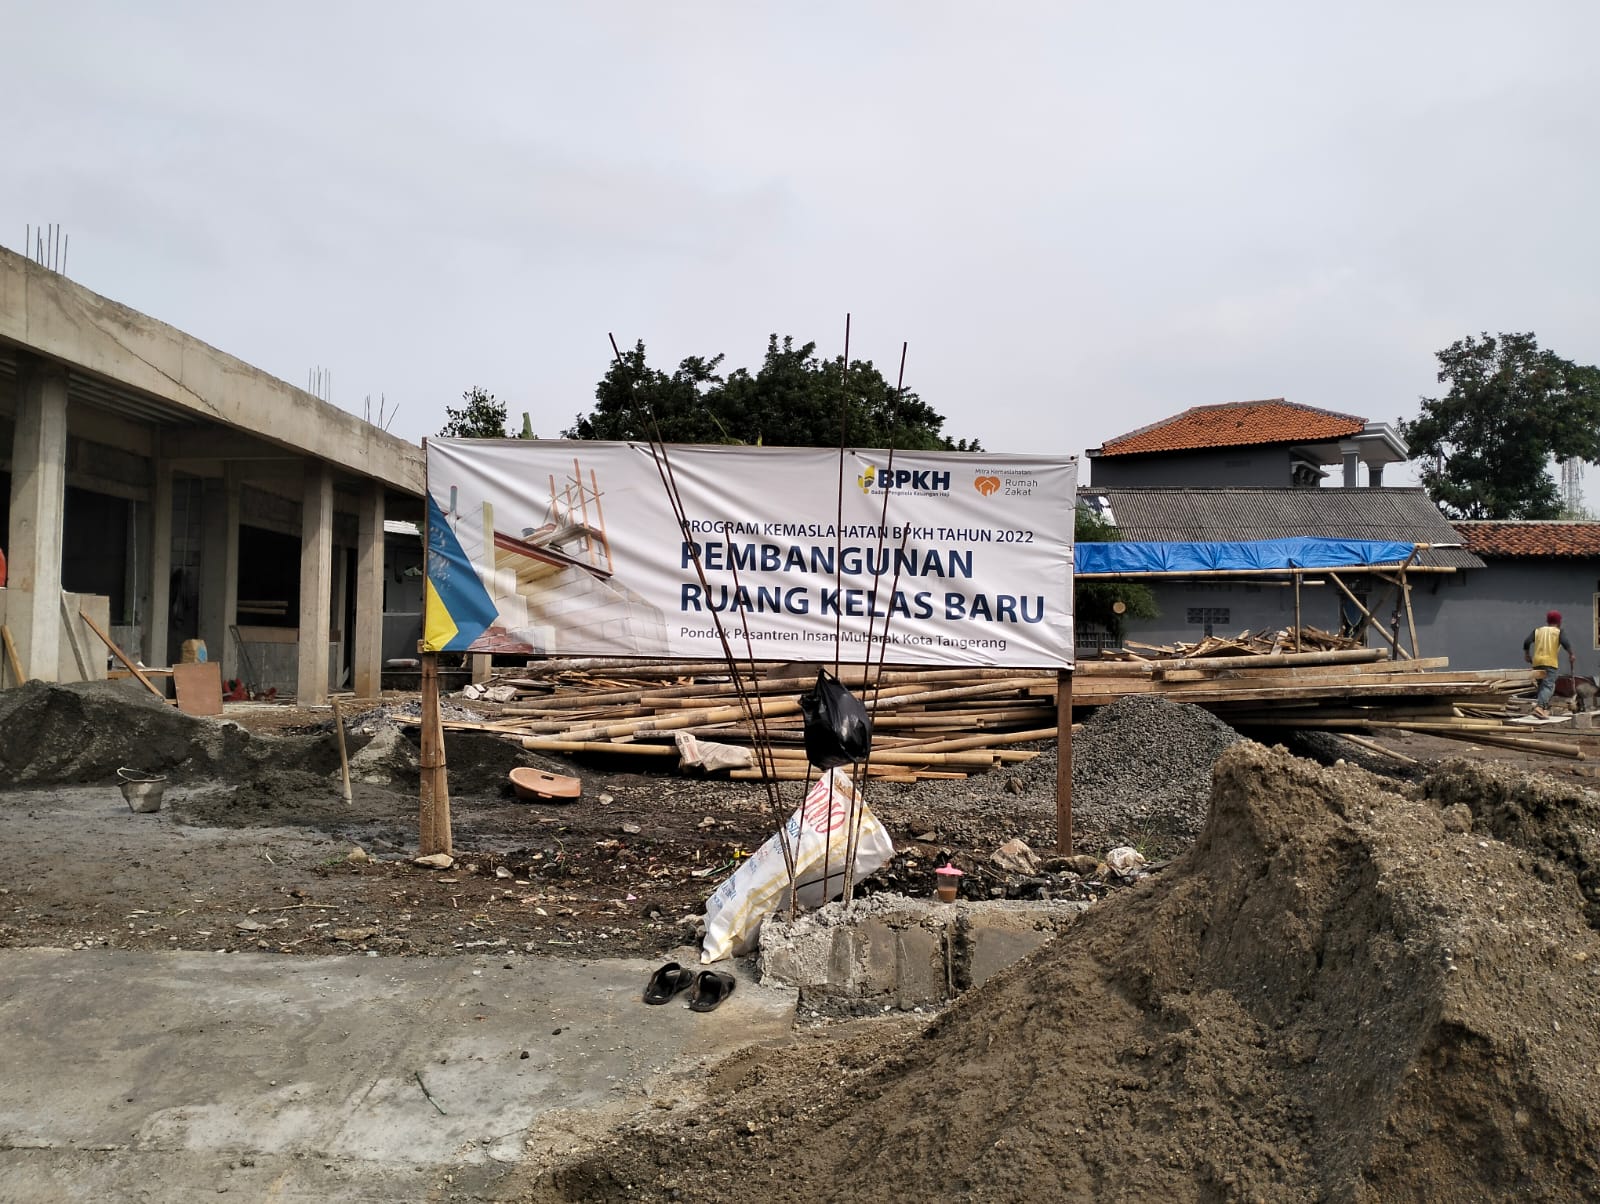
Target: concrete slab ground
(178,1077)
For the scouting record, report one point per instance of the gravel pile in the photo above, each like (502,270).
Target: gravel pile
(1141,770)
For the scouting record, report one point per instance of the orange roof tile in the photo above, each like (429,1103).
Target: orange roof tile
(1531,538)
(1235,424)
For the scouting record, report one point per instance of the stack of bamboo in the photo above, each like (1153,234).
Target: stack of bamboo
(954,722)
(942,723)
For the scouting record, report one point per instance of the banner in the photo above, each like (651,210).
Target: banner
(554,548)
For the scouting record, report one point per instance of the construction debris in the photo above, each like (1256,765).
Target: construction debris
(954,722)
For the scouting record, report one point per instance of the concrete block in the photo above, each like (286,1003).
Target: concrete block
(889,949)
(992,950)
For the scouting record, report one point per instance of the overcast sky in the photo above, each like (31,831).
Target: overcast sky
(1081,217)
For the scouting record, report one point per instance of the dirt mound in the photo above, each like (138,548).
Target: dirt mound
(83,732)
(1340,993)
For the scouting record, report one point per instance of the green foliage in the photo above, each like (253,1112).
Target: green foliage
(482,417)
(1094,601)
(795,399)
(1486,446)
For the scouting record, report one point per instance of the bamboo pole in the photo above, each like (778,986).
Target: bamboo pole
(1274,660)
(1374,746)
(1361,606)
(550,744)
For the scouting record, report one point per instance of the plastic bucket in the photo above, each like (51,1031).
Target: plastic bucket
(142,790)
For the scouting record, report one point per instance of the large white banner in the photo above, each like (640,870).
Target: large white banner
(572,548)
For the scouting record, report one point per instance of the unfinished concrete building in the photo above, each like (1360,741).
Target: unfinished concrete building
(171,492)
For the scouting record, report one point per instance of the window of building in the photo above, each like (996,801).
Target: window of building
(1218,616)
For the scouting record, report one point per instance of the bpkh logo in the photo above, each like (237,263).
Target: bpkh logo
(923,481)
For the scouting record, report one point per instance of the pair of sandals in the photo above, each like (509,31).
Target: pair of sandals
(707,989)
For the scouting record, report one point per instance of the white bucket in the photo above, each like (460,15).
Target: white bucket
(142,790)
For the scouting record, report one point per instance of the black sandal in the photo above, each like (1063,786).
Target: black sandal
(711,987)
(667,982)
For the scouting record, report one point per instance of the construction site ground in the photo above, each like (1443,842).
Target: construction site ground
(115,929)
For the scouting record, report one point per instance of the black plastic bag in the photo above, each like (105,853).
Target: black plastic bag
(838,730)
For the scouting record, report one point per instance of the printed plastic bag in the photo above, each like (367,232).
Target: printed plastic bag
(817,834)
(838,730)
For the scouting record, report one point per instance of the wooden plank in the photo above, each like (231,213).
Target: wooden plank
(199,687)
(11,654)
(122,656)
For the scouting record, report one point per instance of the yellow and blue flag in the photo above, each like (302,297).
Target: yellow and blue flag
(457,609)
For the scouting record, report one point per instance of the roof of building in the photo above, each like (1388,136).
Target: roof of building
(1404,515)
(1530,539)
(1236,424)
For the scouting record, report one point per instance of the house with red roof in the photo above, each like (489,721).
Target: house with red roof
(1271,444)
(1258,470)
(1530,568)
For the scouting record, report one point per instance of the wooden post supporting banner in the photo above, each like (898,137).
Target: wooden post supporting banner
(433,821)
(1064,761)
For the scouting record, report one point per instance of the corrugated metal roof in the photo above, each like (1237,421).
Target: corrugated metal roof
(1236,424)
(1563,540)
(1403,514)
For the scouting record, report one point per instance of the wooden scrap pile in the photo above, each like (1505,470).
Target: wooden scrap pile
(954,722)
(942,723)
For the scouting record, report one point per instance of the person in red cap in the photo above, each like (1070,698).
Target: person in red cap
(1542,650)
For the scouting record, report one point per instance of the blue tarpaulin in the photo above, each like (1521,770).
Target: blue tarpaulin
(1260,555)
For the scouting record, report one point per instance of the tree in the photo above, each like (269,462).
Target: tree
(1486,446)
(795,399)
(1096,601)
(482,417)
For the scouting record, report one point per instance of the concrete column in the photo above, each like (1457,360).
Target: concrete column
(219,572)
(316,582)
(367,653)
(38,499)
(338,637)
(159,614)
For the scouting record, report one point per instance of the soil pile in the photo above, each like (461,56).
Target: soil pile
(83,732)
(1340,993)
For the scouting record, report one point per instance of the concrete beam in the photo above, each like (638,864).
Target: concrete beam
(45,312)
(101,426)
(367,653)
(212,443)
(316,580)
(38,499)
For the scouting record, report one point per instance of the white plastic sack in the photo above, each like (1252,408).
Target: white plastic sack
(709,755)
(817,835)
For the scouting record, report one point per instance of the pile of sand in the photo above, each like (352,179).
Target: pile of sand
(1340,993)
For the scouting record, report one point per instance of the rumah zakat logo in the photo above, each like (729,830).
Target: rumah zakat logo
(987,485)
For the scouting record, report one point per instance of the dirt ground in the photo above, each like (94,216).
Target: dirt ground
(1351,987)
